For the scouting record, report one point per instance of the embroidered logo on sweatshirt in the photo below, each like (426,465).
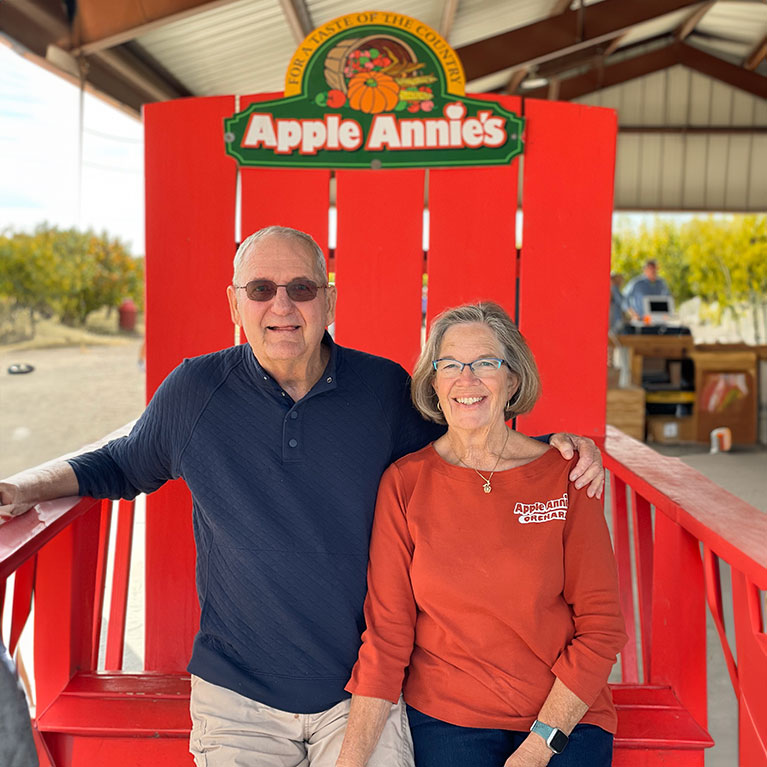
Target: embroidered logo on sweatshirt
(542,511)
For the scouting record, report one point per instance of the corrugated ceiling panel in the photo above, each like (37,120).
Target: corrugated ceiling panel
(660,26)
(676,171)
(240,48)
(478,19)
(758,187)
(428,11)
(679,96)
(746,22)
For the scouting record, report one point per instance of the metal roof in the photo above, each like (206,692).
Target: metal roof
(689,79)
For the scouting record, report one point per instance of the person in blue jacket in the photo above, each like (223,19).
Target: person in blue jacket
(282,442)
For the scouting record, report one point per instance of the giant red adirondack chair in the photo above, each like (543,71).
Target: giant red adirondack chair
(552,275)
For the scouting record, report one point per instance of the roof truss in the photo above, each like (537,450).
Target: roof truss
(574,48)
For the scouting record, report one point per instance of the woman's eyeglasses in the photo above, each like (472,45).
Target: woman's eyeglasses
(265,290)
(482,368)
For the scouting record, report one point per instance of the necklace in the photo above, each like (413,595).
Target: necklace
(487,487)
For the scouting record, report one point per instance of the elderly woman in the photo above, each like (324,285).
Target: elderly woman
(492,592)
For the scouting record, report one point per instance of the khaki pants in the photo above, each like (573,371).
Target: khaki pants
(229,730)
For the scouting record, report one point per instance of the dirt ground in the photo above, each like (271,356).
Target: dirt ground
(73,396)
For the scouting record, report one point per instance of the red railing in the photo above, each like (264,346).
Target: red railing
(671,527)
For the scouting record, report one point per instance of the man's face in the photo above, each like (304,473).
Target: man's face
(281,330)
(651,272)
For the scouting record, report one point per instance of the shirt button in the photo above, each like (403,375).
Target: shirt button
(329,379)
(293,442)
(283,394)
(266,378)
(294,415)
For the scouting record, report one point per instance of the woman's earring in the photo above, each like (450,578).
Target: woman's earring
(439,407)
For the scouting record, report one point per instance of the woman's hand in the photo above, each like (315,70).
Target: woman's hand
(533,752)
(589,470)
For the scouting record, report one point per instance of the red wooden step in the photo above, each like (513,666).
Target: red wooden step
(651,717)
(121,704)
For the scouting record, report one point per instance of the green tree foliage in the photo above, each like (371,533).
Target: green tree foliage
(719,259)
(662,241)
(68,273)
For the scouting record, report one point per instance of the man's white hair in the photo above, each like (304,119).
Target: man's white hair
(320,267)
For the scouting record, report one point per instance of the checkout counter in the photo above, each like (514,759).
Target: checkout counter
(671,390)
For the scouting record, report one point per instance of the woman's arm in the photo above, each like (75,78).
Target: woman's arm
(591,589)
(367,717)
(562,709)
(390,615)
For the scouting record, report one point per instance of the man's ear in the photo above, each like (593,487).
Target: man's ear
(330,304)
(234,309)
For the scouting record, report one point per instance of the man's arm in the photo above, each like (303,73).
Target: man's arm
(589,470)
(22,491)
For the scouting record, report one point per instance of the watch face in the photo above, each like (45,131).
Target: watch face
(558,741)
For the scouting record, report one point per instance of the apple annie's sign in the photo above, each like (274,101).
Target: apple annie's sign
(374,89)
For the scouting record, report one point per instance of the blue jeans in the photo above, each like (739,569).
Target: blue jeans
(439,744)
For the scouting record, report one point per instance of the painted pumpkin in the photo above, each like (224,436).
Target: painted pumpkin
(373,92)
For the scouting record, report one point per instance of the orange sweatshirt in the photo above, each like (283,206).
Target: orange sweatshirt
(476,601)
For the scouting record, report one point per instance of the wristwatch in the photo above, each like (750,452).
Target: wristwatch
(555,739)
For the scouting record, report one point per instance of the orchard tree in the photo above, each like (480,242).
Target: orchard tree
(68,273)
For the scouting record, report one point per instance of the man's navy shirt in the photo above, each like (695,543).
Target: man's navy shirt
(284,494)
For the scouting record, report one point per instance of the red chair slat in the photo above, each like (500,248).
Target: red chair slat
(23,587)
(190,207)
(379,262)
(105,526)
(643,557)
(567,201)
(622,547)
(120,579)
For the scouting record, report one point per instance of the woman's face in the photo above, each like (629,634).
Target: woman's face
(468,401)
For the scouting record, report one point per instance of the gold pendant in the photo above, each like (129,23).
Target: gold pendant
(487,487)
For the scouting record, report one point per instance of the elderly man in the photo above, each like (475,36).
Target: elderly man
(646,284)
(282,443)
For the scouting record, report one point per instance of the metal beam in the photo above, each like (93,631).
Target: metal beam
(757,53)
(560,6)
(615,74)
(138,75)
(105,25)
(517,76)
(737,130)
(692,21)
(558,35)
(298,17)
(721,70)
(614,44)
(449,10)
(35,25)
(654,61)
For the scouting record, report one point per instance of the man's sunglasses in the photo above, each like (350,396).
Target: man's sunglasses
(265,290)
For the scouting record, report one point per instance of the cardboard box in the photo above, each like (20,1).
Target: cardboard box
(668,430)
(626,410)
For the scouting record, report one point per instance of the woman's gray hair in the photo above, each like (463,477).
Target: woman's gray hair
(320,266)
(515,352)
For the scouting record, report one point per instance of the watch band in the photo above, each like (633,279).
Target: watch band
(555,739)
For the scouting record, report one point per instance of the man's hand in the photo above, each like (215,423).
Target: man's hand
(21,492)
(589,470)
(532,752)
(12,502)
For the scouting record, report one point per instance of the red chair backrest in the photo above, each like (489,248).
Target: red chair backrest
(556,282)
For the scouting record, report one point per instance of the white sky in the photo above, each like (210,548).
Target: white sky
(39,124)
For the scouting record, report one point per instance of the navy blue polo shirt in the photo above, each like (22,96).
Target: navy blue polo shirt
(284,494)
